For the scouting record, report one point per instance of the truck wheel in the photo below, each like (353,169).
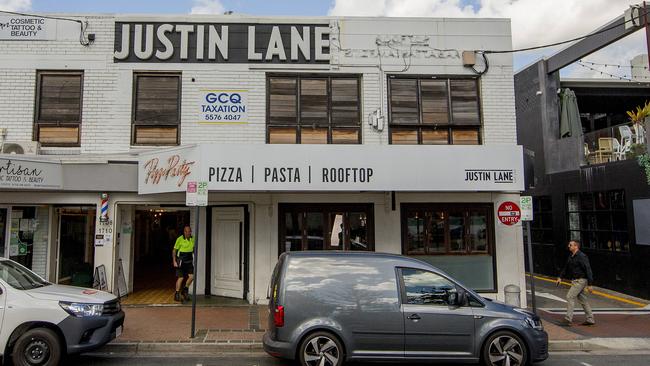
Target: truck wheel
(504,348)
(321,349)
(39,346)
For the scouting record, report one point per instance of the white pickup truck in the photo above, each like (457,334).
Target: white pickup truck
(40,322)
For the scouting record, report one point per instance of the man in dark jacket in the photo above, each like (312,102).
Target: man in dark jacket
(578,270)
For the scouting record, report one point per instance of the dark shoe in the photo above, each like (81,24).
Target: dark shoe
(589,324)
(177,296)
(565,323)
(186,294)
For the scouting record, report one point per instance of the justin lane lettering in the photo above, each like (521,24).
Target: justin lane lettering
(487,175)
(183,42)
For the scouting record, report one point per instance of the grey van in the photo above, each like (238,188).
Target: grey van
(330,307)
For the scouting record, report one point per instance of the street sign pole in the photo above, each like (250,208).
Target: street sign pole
(530,267)
(526,204)
(196,253)
(196,196)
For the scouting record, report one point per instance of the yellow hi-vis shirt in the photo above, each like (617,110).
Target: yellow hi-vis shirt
(184,245)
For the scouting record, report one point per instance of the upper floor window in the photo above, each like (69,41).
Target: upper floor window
(156,116)
(434,111)
(57,119)
(313,110)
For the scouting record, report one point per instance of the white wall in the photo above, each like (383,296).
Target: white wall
(107,94)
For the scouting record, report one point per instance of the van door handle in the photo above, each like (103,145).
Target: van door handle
(413,317)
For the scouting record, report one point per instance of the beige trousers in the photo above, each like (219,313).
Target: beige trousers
(577,291)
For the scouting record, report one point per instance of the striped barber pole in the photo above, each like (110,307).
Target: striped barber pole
(104,208)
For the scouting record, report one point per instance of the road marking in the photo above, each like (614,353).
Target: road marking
(598,293)
(585,364)
(548,296)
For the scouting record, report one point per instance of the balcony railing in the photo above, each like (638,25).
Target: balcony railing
(615,143)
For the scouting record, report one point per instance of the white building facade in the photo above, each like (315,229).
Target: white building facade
(378,134)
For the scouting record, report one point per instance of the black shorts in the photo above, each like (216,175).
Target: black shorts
(185,266)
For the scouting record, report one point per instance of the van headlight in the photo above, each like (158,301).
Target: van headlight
(533,322)
(80,310)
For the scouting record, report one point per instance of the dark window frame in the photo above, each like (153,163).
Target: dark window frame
(330,126)
(447,207)
(135,124)
(594,211)
(37,107)
(539,223)
(324,208)
(450,127)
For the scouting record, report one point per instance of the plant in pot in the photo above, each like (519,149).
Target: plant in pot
(639,150)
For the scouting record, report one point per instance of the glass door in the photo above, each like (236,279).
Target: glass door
(4,231)
(76,248)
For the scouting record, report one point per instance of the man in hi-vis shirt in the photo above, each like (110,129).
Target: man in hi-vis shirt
(183,259)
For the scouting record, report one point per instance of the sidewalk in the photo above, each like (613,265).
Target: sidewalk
(172,324)
(623,323)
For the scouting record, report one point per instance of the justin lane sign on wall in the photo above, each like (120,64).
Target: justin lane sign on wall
(221,43)
(233,167)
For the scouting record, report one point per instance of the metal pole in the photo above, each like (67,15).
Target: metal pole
(530,266)
(647,29)
(196,244)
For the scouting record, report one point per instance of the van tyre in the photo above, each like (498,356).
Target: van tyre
(39,346)
(504,348)
(321,349)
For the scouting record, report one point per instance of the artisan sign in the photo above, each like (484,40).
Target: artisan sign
(30,174)
(221,42)
(223,106)
(26,28)
(264,167)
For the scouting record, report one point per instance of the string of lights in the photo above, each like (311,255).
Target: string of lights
(624,77)
(614,65)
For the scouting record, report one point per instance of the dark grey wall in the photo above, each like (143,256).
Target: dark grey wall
(628,272)
(537,105)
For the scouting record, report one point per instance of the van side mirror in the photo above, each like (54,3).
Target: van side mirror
(458,298)
(452,300)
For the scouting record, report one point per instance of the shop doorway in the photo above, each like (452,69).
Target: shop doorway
(76,247)
(4,232)
(156,231)
(228,252)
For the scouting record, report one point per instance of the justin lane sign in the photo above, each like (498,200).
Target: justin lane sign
(221,43)
(234,167)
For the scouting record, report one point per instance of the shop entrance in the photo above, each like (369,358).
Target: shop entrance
(76,247)
(4,232)
(156,231)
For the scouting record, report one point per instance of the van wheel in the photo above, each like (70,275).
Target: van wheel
(321,349)
(504,348)
(39,346)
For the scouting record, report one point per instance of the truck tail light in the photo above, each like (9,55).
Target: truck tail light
(278,316)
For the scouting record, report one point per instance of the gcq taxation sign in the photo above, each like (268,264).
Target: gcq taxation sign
(221,106)
(264,167)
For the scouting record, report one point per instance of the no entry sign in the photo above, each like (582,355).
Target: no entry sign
(509,213)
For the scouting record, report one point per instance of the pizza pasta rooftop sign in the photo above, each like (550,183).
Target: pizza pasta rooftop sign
(221,43)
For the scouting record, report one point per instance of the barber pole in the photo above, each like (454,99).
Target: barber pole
(104,208)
